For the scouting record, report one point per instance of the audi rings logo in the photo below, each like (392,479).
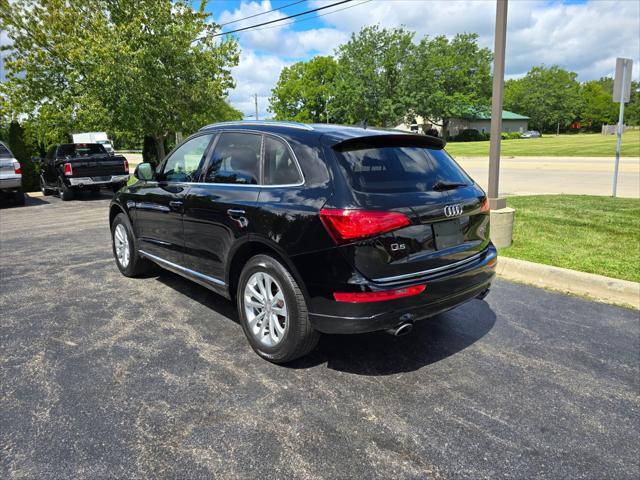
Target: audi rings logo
(453,210)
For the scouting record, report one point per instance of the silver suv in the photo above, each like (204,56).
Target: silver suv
(10,176)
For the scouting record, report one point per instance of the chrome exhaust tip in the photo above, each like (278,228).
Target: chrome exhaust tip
(399,330)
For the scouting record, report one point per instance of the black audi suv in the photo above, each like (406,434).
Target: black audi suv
(310,228)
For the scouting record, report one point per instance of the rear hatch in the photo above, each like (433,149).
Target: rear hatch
(447,217)
(92,160)
(7,168)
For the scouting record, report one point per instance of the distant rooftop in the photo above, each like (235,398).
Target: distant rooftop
(486,115)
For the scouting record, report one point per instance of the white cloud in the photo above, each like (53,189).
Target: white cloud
(255,74)
(585,38)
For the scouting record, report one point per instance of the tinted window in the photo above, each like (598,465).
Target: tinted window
(80,149)
(236,159)
(279,166)
(4,152)
(184,162)
(399,169)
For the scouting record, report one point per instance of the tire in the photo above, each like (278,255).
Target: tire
(298,337)
(18,197)
(65,192)
(136,265)
(45,191)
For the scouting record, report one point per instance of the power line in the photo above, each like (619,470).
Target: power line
(313,18)
(263,13)
(283,18)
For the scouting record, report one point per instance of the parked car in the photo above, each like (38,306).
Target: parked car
(531,134)
(10,176)
(95,137)
(310,228)
(70,168)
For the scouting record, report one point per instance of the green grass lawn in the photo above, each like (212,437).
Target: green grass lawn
(578,145)
(587,233)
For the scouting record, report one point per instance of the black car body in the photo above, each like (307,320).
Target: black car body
(72,167)
(377,229)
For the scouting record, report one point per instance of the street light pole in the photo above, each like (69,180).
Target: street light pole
(495,202)
(255,96)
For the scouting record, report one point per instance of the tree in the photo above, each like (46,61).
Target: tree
(143,66)
(448,78)
(369,82)
(597,107)
(550,97)
(22,153)
(304,91)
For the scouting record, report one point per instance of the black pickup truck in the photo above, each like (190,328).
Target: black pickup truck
(72,167)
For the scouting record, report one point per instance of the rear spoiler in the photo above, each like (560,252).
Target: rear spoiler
(389,140)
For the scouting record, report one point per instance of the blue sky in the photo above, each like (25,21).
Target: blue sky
(580,35)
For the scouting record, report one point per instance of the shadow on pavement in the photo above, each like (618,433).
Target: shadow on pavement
(430,341)
(196,292)
(377,353)
(28,202)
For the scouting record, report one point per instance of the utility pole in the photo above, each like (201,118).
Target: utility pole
(495,202)
(255,96)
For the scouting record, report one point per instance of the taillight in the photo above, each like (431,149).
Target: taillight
(363,297)
(484,208)
(17,169)
(345,225)
(126,166)
(68,169)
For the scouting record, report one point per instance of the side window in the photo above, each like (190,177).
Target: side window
(185,161)
(236,159)
(279,166)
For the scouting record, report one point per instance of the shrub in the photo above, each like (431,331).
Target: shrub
(470,135)
(22,153)
(510,135)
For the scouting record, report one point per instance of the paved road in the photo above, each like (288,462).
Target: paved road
(107,377)
(571,175)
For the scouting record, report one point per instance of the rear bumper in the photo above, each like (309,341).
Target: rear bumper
(97,181)
(442,293)
(10,182)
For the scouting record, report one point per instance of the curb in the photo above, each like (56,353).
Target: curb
(596,287)
(34,194)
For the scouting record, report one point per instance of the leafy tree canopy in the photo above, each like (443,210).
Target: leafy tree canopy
(371,72)
(304,91)
(143,66)
(449,78)
(549,96)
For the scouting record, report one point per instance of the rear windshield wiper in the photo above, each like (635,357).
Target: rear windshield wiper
(444,185)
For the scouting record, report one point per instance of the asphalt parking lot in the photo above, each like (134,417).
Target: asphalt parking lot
(108,377)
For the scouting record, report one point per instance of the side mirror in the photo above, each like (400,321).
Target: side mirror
(144,171)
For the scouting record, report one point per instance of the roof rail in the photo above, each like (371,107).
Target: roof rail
(274,123)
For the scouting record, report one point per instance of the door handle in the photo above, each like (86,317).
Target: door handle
(176,205)
(238,216)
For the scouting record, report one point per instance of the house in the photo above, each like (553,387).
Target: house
(481,121)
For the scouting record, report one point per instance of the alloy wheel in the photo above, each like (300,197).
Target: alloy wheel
(121,243)
(265,309)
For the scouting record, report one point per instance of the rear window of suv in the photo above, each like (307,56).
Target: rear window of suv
(399,169)
(4,152)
